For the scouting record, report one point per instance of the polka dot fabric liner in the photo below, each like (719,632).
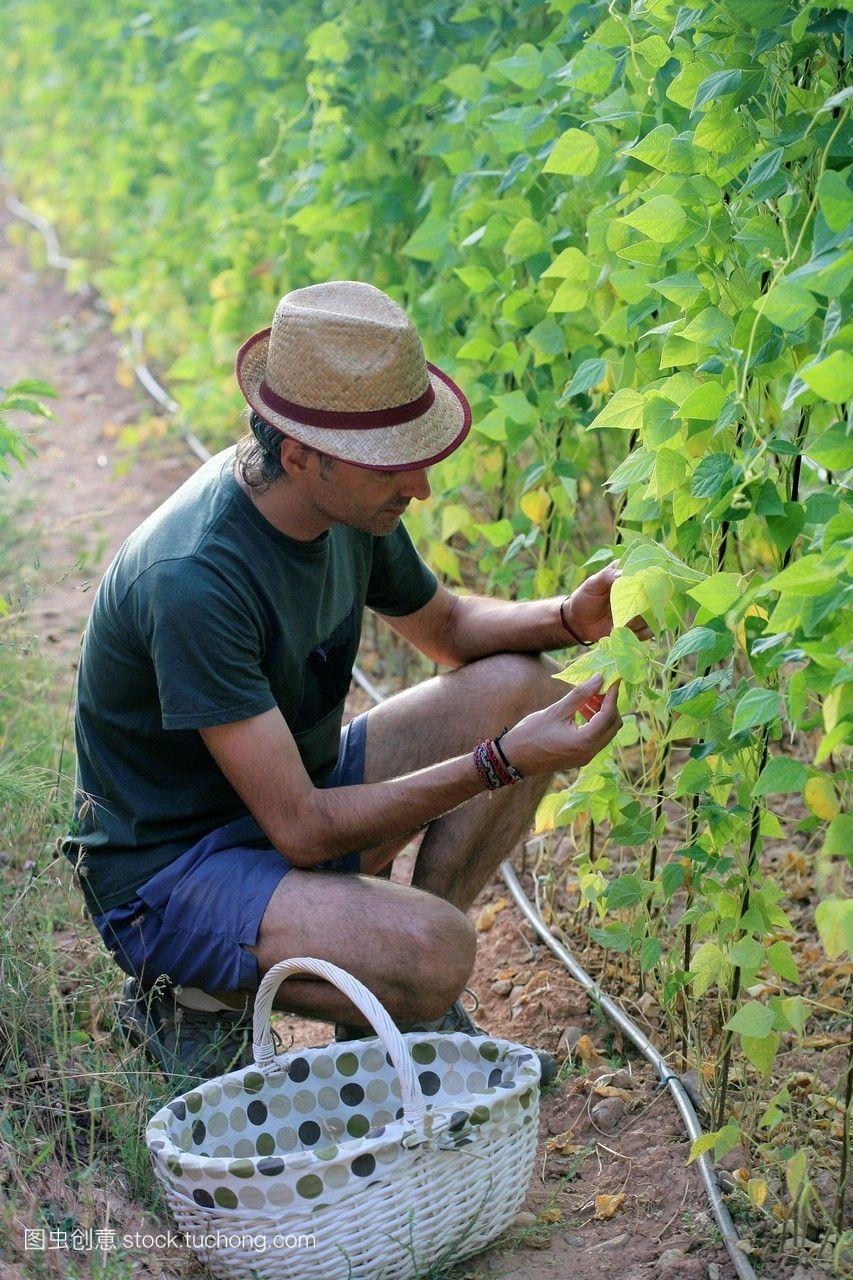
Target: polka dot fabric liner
(328,1121)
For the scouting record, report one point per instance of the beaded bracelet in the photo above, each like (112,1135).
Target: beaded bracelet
(492,765)
(587,644)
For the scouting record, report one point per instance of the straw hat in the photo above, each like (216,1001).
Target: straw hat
(342,368)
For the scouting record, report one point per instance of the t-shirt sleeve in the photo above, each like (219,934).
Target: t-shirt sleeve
(400,582)
(203,642)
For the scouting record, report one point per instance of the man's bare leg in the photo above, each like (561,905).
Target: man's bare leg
(413,946)
(444,717)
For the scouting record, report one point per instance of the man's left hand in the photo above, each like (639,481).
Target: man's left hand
(588,608)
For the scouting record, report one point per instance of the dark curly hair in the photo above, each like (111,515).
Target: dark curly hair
(259,455)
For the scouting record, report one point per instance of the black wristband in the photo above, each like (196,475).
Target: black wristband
(587,644)
(511,769)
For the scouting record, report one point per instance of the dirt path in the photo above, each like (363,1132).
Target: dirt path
(85,496)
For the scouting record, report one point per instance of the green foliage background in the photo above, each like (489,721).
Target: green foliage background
(626,233)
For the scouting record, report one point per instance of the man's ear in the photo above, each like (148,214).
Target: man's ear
(294,456)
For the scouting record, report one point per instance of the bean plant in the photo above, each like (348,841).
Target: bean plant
(626,230)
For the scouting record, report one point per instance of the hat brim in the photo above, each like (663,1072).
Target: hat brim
(404,446)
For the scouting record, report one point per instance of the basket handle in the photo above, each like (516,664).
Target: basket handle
(414,1106)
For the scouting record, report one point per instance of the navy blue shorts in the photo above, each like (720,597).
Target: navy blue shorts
(194,917)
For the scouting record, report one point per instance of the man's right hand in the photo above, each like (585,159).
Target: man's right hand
(549,740)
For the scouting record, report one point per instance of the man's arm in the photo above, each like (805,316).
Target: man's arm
(453,629)
(309,824)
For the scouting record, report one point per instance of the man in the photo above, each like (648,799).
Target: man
(225,820)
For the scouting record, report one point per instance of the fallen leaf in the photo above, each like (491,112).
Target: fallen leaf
(487,915)
(611,1091)
(606,1205)
(587,1051)
(562,1144)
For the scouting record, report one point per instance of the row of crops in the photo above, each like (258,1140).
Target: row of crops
(626,232)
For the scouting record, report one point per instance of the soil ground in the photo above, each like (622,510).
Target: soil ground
(84,494)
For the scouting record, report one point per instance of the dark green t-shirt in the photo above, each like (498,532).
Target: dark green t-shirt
(208,614)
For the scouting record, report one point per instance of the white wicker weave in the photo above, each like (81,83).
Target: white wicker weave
(385,1155)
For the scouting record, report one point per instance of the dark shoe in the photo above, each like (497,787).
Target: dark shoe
(456,1018)
(184,1042)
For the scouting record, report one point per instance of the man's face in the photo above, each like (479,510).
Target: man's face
(372,501)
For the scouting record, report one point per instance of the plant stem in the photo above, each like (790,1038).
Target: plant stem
(752,858)
(845,1140)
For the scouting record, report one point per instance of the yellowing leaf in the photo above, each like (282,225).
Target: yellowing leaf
(757,1191)
(606,1205)
(535,505)
(562,1144)
(819,795)
(834,920)
(487,915)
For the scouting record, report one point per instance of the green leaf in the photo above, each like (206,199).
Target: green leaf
(761,1050)
(787,305)
(477,279)
(831,378)
(707,964)
(747,954)
(780,776)
(703,403)
(757,706)
(653,147)
(700,1145)
(765,167)
(661,219)
(751,1019)
(838,840)
(808,576)
(526,238)
(718,593)
(693,779)
(571,296)
(571,262)
(836,200)
(712,476)
(632,471)
(624,410)
(465,81)
(626,891)
(650,954)
(615,937)
(717,85)
(630,656)
(574,152)
(696,640)
(587,375)
(782,961)
(524,68)
(834,448)
(499,533)
(683,289)
(429,241)
(708,327)
(592,662)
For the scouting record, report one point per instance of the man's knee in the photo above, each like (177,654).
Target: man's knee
(527,680)
(441,943)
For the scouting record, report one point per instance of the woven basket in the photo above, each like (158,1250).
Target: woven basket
(364,1160)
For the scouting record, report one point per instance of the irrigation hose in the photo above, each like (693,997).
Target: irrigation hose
(617,1015)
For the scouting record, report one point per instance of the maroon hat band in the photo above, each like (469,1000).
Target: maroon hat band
(343,420)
